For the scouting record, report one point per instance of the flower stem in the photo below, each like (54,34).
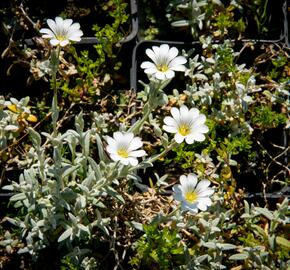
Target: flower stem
(54,108)
(148,107)
(154,158)
(165,151)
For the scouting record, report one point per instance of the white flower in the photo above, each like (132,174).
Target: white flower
(186,124)
(61,31)
(165,62)
(192,194)
(123,147)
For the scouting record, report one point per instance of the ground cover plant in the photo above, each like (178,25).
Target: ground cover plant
(189,172)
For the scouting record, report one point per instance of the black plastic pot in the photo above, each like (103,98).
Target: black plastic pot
(269,199)
(139,55)
(247,180)
(131,36)
(275,21)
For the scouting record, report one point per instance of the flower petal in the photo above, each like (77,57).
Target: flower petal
(46,31)
(54,42)
(52,25)
(160,75)
(192,178)
(200,119)
(75,26)
(183,110)
(169,74)
(63,43)
(202,128)
(135,143)
(175,113)
(179,60)
(138,153)
(205,193)
(133,161)
(118,135)
(206,201)
(59,21)
(199,137)
(170,129)
(128,137)
(148,64)
(67,23)
(202,185)
(151,55)
(170,121)
(178,138)
(172,53)
(183,180)
(201,206)
(189,139)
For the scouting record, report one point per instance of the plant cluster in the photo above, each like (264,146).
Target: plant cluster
(155,179)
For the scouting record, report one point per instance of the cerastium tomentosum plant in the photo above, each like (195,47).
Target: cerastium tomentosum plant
(75,176)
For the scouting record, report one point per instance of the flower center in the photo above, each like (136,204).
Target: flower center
(61,37)
(190,196)
(184,129)
(123,153)
(162,67)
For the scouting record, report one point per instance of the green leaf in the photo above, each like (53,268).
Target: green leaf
(201,258)
(265,212)
(101,152)
(35,137)
(88,182)
(247,207)
(180,23)
(73,218)
(238,257)
(226,246)
(96,168)
(11,128)
(68,170)
(86,145)
(54,110)
(283,242)
(67,233)
(68,194)
(15,222)
(259,231)
(209,245)
(18,197)
(135,225)
(114,194)
(8,187)
(79,123)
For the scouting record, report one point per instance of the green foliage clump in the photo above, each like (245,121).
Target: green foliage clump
(264,117)
(158,247)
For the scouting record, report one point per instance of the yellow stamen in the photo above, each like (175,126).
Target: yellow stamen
(61,38)
(123,153)
(191,196)
(184,129)
(162,68)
